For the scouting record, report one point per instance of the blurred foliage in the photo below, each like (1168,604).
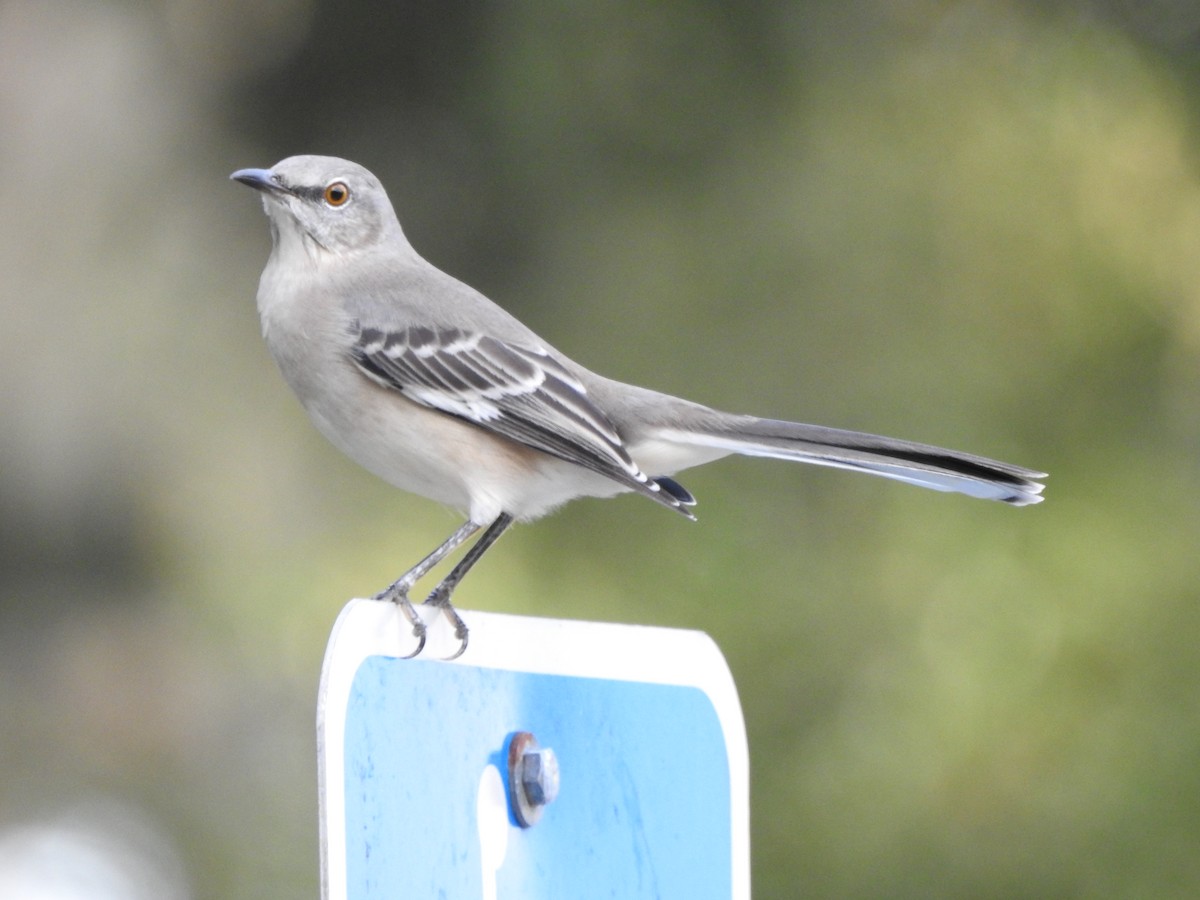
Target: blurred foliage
(969,223)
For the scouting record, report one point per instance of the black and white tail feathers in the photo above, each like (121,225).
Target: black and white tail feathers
(919,464)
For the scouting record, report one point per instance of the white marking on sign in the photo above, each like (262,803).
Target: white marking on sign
(491,817)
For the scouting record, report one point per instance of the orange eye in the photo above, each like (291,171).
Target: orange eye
(337,194)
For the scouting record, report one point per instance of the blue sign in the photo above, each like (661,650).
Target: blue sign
(643,722)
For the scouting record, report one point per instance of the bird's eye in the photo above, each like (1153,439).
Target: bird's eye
(337,194)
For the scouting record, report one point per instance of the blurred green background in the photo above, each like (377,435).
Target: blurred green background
(974,224)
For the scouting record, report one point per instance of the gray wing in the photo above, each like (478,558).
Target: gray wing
(520,392)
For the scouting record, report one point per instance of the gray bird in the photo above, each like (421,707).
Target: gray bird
(428,384)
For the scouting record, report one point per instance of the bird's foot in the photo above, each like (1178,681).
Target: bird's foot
(440,599)
(399,595)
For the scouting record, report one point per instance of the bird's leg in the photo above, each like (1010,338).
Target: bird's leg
(397,591)
(440,595)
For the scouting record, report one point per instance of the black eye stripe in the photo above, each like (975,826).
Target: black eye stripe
(315,194)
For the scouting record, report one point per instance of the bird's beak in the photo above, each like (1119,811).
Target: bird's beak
(259,179)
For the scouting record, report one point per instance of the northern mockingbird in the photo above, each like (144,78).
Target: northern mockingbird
(428,384)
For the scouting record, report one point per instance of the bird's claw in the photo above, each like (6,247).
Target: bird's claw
(439,600)
(462,634)
(419,633)
(419,629)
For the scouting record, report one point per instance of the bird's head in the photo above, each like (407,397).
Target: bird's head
(334,203)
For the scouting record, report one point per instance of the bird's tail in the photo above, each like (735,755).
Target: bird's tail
(919,464)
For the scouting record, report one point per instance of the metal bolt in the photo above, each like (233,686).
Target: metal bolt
(532,778)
